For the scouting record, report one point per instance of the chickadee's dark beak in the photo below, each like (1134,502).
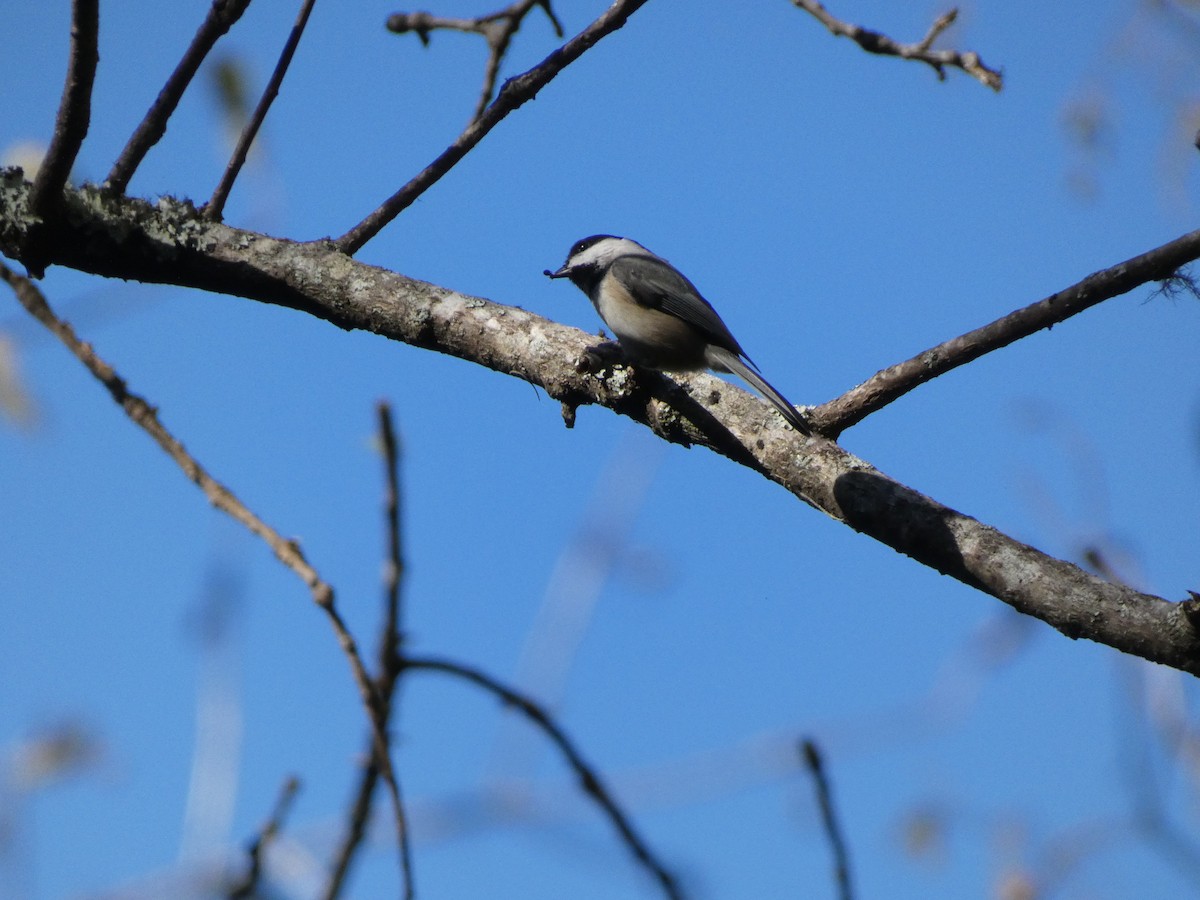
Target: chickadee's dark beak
(561,273)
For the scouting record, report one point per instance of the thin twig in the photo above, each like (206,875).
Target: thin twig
(514,93)
(841,858)
(390,641)
(70,128)
(248,886)
(497,29)
(589,780)
(216,204)
(221,17)
(922,50)
(893,382)
(74,109)
(600,548)
(286,551)
(381,745)
(391,636)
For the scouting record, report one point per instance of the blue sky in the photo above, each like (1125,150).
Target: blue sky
(842,212)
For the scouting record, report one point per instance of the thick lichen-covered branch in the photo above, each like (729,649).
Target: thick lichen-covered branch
(168,243)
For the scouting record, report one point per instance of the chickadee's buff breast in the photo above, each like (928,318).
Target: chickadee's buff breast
(648,335)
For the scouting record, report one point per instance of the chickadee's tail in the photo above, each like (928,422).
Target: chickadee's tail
(727,360)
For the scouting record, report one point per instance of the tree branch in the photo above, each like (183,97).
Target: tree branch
(74,109)
(70,127)
(841,857)
(248,885)
(588,779)
(391,637)
(497,28)
(1159,264)
(390,641)
(168,243)
(513,94)
(215,207)
(221,17)
(922,50)
(287,552)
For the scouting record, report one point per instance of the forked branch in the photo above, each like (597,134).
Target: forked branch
(922,50)
(1160,264)
(513,94)
(497,29)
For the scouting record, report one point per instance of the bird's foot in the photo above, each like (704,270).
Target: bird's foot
(601,357)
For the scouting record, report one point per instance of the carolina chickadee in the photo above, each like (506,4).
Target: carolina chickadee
(658,316)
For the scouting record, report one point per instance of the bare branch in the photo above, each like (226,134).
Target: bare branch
(382,749)
(391,635)
(71,124)
(286,551)
(922,50)
(390,640)
(513,94)
(221,17)
(74,109)
(589,780)
(422,23)
(497,29)
(1160,264)
(248,886)
(841,857)
(167,243)
(215,207)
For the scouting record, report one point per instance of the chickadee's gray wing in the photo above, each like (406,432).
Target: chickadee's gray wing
(657,284)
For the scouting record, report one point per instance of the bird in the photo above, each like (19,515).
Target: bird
(659,317)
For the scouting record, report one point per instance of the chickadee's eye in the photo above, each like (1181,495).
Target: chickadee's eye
(579,247)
